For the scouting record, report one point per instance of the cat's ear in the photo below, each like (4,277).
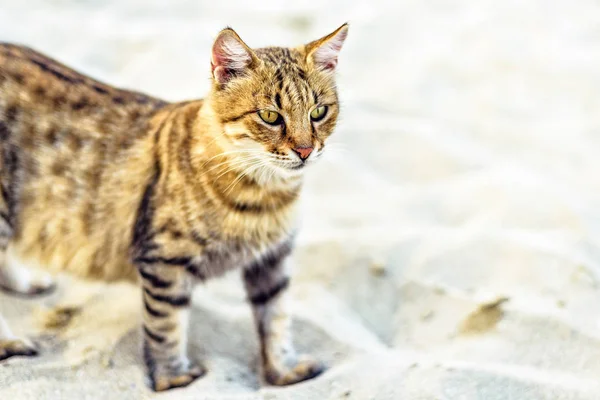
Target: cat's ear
(323,53)
(230,56)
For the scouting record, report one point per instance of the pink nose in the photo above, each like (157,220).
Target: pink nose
(303,152)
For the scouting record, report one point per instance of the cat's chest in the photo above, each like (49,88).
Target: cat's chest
(221,257)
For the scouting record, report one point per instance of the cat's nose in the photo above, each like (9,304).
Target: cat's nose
(303,152)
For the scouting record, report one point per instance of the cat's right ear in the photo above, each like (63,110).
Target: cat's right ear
(230,56)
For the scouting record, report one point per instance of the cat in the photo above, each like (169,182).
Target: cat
(112,184)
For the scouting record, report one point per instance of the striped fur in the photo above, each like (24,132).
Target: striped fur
(114,185)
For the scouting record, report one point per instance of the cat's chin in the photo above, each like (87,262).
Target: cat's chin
(290,173)
(277,176)
(292,170)
(285,176)
(296,167)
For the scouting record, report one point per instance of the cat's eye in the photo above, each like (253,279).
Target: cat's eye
(270,117)
(318,113)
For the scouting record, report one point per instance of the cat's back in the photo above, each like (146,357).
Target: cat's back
(31,82)
(73,152)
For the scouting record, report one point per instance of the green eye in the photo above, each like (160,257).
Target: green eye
(318,113)
(270,117)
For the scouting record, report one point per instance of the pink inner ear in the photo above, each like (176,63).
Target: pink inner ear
(229,56)
(331,64)
(220,74)
(326,55)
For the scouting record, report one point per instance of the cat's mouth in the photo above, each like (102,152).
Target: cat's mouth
(291,167)
(297,166)
(300,164)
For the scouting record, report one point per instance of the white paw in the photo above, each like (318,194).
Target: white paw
(25,281)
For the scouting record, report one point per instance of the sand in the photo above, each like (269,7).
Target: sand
(451,242)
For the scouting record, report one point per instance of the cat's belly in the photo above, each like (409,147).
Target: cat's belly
(220,258)
(60,243)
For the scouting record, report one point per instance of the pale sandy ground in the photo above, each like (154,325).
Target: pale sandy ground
(472,131)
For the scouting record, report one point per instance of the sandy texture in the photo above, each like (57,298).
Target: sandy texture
(451,251)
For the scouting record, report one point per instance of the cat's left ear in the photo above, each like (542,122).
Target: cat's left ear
(323,53)
(230,56)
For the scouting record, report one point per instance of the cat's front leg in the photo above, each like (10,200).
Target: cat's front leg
(167,291)
(266,282)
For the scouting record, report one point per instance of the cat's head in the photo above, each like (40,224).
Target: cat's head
(276,106)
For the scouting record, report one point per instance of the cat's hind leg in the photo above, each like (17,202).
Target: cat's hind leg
(10,345)
(24,282)
(16,279)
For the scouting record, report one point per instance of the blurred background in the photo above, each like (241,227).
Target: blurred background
(451,241)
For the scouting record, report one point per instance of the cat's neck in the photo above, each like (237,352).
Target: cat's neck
(193,148)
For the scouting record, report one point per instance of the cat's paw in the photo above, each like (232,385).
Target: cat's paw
(17,347)
(165,380)
(28,284)
(306,368)
(44,285)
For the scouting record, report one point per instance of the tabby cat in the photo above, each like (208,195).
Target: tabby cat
(112,184)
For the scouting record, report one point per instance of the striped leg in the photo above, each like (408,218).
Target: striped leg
(167,293)
(266,283)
